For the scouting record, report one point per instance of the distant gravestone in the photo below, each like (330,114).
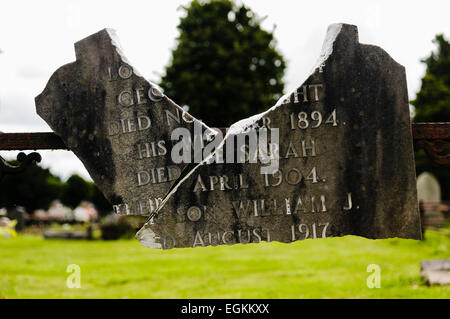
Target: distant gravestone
(429,191)
(345,163)
(332,158)
(18,213)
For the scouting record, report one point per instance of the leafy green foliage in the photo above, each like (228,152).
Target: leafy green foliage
(432,104)
(36,187)
(225,66)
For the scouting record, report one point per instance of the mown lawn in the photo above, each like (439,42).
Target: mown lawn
(32,267)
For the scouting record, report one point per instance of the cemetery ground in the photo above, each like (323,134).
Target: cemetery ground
(32,267)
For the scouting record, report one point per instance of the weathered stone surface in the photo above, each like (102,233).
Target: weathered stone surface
(345,163)
(116,122)
(436,272)
(429,191)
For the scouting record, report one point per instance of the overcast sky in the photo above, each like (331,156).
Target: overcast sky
(36,38)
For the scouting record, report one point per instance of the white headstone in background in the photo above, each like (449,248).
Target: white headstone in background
(429,191)
(428,188)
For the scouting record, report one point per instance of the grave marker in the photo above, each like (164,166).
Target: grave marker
(117,123)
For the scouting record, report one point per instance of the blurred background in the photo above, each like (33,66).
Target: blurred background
(223,61)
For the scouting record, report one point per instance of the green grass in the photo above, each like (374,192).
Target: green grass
(32,267)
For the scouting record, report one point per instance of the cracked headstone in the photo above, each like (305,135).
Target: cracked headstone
(117,123)
(341,162)
(338,160)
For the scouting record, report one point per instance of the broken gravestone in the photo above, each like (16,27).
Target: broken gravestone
(340,162)
(117,123)
(332,158)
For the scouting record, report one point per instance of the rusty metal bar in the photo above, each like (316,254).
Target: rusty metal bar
(23,159)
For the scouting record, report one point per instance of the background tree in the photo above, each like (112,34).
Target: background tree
(76,189)
(432,104)
(225,66)
(33,188)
